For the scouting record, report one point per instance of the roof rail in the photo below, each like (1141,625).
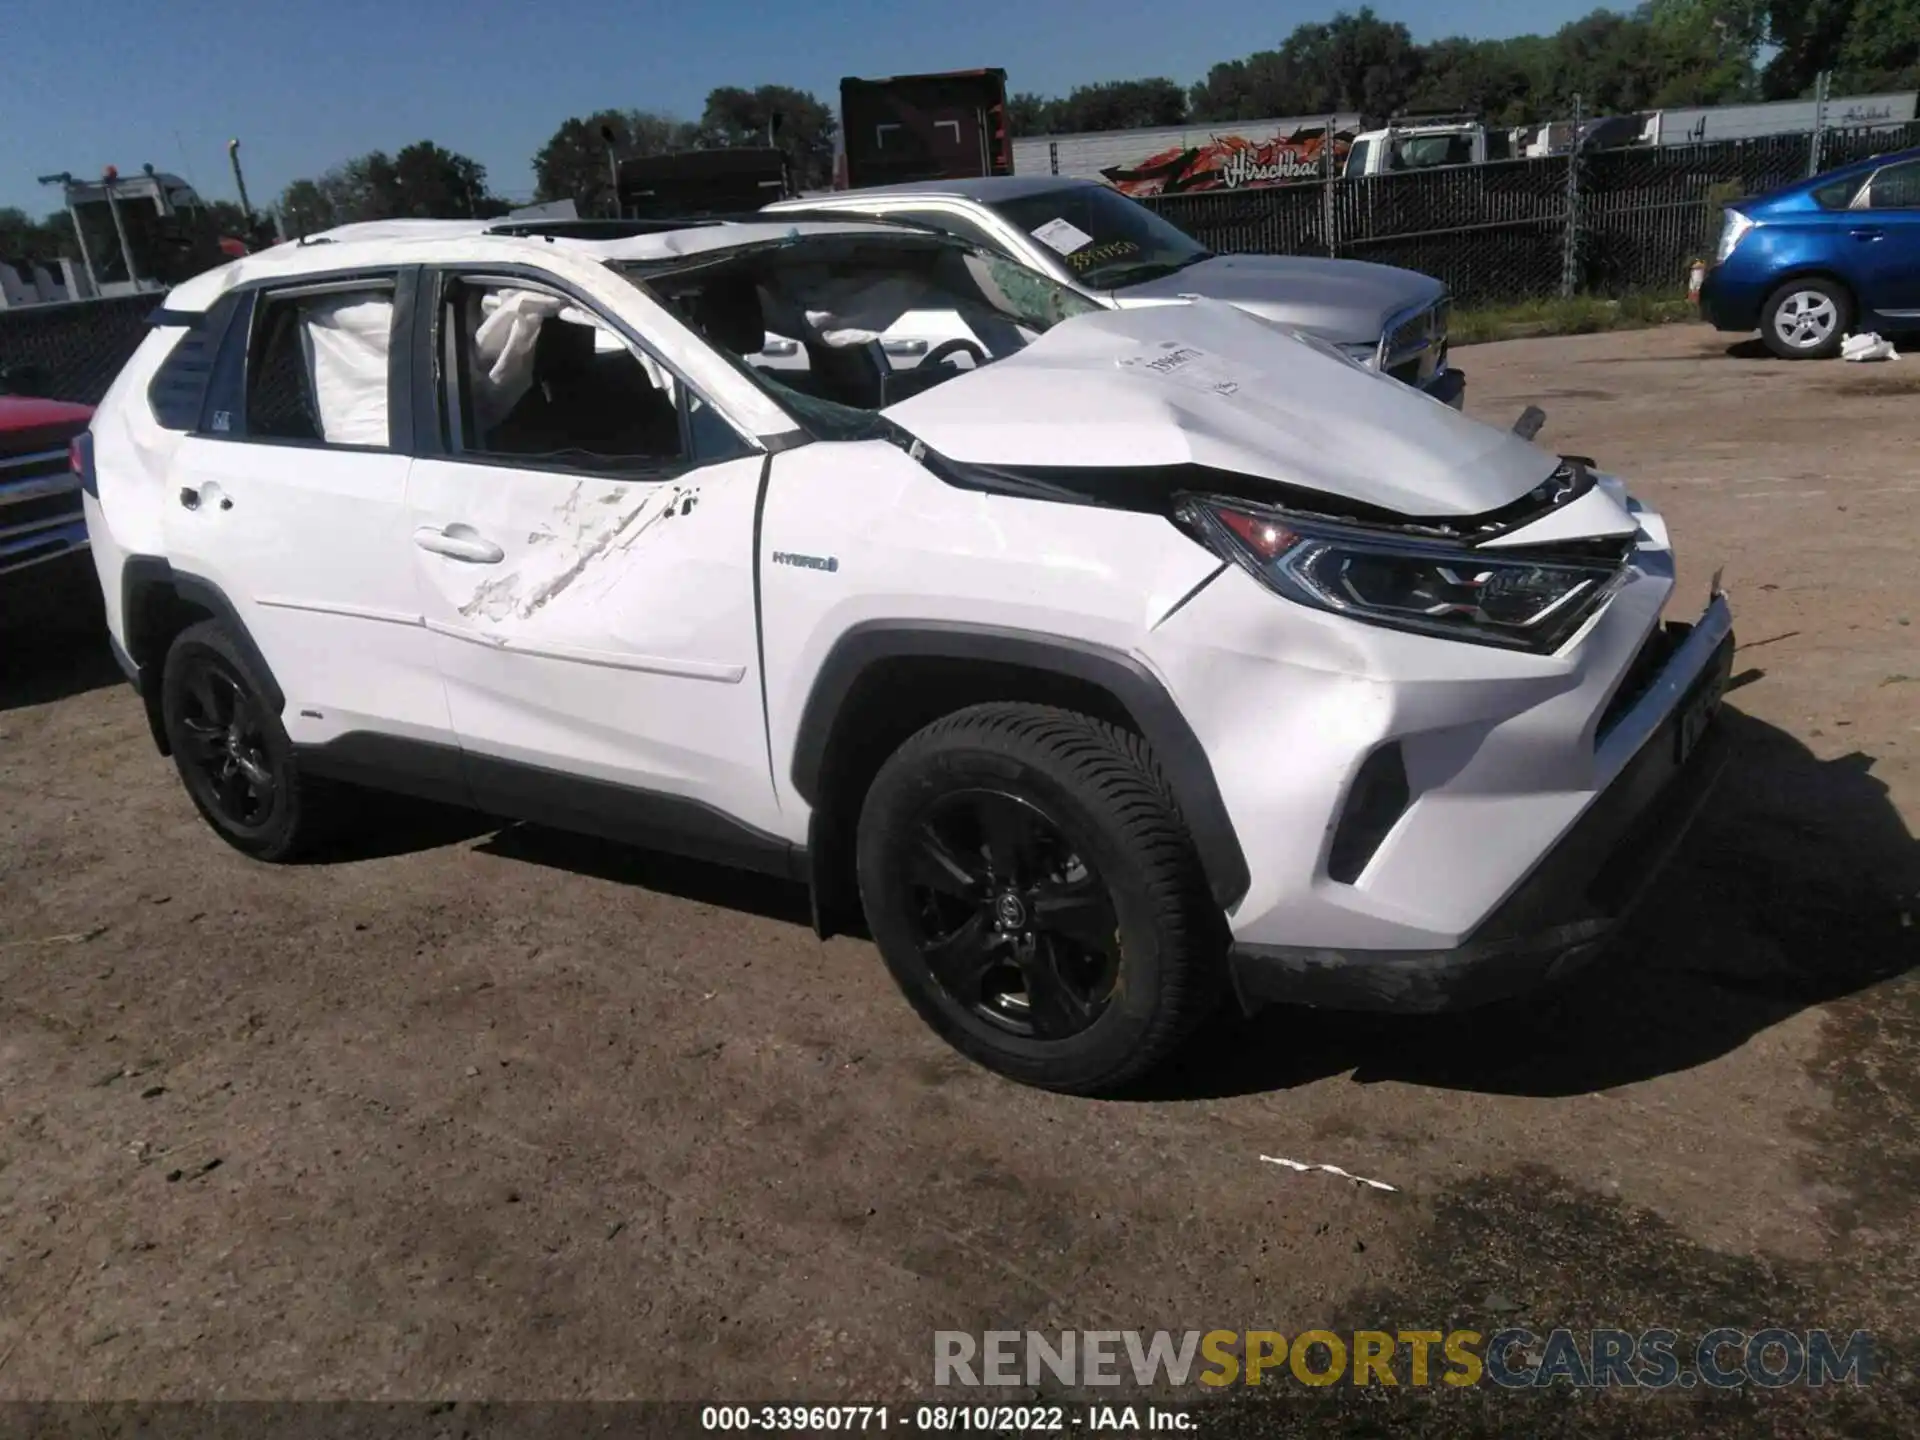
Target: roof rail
(596,229)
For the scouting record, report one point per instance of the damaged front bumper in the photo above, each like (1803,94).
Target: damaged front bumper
(1573,900)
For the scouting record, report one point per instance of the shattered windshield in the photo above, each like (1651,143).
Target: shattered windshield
(1104,240)
(838,327)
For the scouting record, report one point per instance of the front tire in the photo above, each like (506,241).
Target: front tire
(1806,319)
(231,750)
(1033,890)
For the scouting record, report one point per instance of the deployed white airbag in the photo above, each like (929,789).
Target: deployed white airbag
(503,348)
(346,339)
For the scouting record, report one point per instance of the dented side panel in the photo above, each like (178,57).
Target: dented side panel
(614,636)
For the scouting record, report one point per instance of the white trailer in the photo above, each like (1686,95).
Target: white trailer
(1236,154)
(1780,117)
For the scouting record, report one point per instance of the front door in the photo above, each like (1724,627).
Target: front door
(290,498)
(584,551)
(1884,234)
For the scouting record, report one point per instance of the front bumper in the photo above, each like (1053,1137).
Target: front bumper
(1568,906)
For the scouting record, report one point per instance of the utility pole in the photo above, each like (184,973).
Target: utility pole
(1570,253)
(1819,122)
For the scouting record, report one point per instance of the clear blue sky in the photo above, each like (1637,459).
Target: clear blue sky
(306,85)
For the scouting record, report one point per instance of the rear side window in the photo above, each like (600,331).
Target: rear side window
(1895,188)
(319,366)
(178,391)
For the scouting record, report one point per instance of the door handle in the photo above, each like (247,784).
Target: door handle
(1867,234)
(904,347)
(459,542)
(192,496)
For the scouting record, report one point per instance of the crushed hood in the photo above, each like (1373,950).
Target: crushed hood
(1209,384)
(1346,301)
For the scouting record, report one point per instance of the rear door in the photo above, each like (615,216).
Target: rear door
(290,497)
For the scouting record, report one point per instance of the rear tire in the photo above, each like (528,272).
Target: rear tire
(231,750)
(1807,319)
(1033,889)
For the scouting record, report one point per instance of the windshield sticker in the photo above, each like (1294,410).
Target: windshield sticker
(1189,366)
(1103,254)
(1063,236)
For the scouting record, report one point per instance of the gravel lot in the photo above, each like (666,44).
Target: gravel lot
(476,1114)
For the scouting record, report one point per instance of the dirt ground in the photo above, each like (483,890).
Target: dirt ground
(477,1114)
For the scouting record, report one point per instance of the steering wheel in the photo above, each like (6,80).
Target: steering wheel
(953,347)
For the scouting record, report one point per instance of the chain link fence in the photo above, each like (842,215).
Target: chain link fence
(1605,222)
(71,351)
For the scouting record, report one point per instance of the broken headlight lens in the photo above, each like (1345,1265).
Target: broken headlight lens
(1509,599)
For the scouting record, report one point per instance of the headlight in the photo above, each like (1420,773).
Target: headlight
(1431,588)
(1366,353)
(1731,229)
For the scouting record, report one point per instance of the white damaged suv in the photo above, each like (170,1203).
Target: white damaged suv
(1153,656)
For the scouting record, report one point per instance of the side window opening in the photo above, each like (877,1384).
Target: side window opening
(1895,188)
(528,375)
(178,391)
(318,367)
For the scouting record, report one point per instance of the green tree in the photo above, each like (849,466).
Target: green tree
(1030,114)
(1865,44)
(1490,78)
(1353,62)
(798,123)
(572,165)
(305,207)
(24,238)
(1120,105)
(423,182)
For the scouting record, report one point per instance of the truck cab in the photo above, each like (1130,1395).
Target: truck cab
(1423,143)
(147,231)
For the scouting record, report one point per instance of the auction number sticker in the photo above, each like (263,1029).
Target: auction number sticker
(1063,236)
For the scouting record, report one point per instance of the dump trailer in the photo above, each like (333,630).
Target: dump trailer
(947,126)
(693,183)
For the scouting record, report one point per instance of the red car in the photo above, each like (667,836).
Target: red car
(41,519)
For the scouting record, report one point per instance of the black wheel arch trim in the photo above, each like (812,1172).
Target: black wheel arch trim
(1131,684)
(143,577)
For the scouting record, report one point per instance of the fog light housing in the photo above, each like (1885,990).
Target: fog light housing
(1378,798)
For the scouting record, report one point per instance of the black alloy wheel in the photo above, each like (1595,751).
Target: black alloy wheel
(1034,892)
(224,744)
(1012,919)
(232,752)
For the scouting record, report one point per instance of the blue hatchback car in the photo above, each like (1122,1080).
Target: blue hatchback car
(1810,263)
